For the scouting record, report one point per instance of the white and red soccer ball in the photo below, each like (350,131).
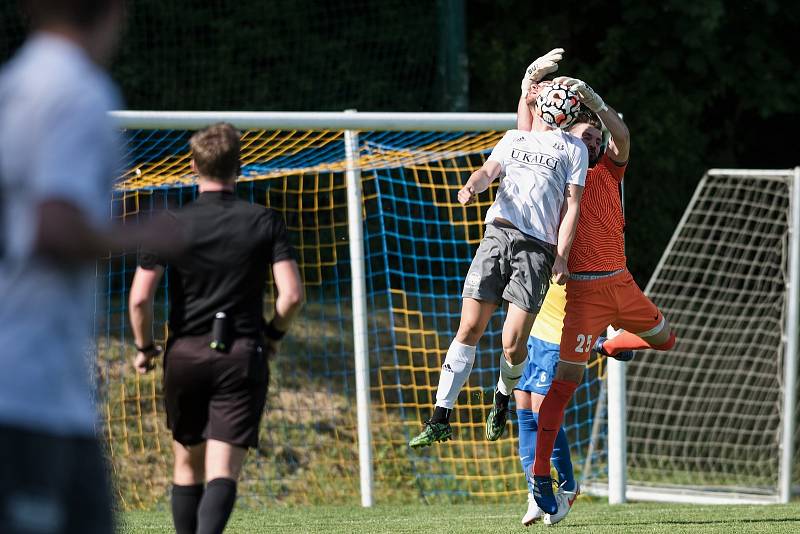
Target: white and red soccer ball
(557,105)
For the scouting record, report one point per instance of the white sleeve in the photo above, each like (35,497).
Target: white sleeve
(502,151)
(74,156)
(579,165)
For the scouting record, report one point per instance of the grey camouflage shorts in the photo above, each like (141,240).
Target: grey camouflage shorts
(511,266)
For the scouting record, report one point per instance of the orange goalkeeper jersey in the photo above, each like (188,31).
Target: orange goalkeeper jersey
(599,244)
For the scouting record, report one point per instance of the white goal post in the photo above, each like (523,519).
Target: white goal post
(714,420)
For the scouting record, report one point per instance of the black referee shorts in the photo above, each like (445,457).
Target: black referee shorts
(53,484)
(215,395)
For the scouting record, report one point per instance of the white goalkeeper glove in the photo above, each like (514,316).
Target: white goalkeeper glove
(586,94)
(538,69)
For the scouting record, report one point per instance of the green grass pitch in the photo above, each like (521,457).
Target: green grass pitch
(588,516)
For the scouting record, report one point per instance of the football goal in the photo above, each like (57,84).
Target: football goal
(383,246)
(714,420)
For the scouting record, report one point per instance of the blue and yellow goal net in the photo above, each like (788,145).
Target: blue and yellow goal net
(418,243)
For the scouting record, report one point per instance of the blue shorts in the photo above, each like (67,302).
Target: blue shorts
(542,361)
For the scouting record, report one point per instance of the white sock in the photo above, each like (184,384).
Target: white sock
(509,375)
(455,371)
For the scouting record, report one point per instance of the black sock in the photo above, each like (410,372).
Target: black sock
(500,400)
(185,500)
(440,415)
(216,506)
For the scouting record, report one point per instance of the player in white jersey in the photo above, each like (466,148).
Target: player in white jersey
(58,154)
(543,172)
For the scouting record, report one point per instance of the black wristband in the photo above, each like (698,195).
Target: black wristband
(149,348)
(273,333)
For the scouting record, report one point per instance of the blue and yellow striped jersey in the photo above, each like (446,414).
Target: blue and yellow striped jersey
(550,319)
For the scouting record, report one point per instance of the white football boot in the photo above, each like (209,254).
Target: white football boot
(565,500)
(533,514)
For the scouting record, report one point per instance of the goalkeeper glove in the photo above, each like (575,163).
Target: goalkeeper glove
(538,69)
(586,94)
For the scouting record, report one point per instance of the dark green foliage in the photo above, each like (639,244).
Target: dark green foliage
(277,55)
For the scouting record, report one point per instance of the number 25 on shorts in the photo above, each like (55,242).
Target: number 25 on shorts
(584,343)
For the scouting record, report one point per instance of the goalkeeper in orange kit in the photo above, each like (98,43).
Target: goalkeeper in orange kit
(600,290)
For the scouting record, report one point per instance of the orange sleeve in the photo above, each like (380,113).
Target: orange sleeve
(616,170)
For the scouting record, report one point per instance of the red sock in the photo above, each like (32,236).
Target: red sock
(624,341)
(627,341)
(668,345)
(551,414)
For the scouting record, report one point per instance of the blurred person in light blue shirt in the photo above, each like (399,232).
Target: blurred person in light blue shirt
(58,153)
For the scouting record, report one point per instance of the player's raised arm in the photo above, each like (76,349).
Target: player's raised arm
(533,75)
(524,115)
(619,144)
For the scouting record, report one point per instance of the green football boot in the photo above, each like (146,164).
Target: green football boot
(498,415)
(431,433)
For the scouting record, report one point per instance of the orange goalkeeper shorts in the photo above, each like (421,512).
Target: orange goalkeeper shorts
(592,305)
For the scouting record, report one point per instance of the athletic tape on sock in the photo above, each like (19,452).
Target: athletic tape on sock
(509,375)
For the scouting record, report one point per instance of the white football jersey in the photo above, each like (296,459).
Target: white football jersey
(535,170)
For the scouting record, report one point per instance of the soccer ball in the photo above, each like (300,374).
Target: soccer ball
(557,106)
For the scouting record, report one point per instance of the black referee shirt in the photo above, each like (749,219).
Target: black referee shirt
(231,244)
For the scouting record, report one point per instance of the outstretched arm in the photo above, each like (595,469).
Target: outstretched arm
(65,233)
(619,144)
(478,182)
(533,75)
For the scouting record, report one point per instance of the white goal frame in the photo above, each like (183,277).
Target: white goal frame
(618,489)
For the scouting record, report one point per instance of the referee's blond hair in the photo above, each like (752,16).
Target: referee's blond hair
(215,151)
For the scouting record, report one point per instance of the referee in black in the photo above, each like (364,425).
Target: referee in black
(215,364)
